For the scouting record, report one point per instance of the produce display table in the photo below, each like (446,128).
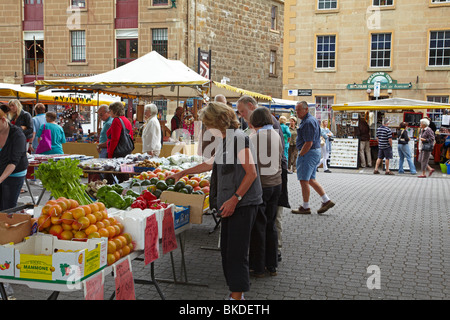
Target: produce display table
(56,288)
(90,149)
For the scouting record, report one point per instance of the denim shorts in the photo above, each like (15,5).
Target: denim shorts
(307,164)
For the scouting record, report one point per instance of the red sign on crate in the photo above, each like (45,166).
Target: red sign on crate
(124,280)
(151,250)
(169,241)
(93,287)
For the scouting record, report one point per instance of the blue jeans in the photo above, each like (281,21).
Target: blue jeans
(405,152)
(10,191)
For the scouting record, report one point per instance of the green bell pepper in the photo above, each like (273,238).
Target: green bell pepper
(128,200)
(132,193)
(101,193)
(113,199)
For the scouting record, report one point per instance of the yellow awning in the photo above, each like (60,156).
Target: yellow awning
(239,91)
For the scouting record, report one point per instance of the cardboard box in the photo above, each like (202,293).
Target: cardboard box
(14,227)
(44,257)
(7,261)
(194,201)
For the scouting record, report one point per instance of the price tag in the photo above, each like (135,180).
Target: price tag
(124,280)
(94,287)
(151,249)
(169,241)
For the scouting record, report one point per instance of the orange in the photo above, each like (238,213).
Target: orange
(51,202)
(98,215)
(46,208)
(87,209)
(84,221)
(62,204)
(55,210)
(66,235)
(80,235)
(92,228)
(193,183)
(112,220)
(67,227)
(118,230)
(123,239)
(126,250)
(94,235)
(128,237)
(77,226)
(105,214)
(110,258)
(103,232)
(120,225)
(44,222)
(100,225)
(73,203)
(91,218)
(61,198)
(94,207)
(120,252)
(111,230)
(117,255)
(101,206)
(131,246)
(119,243)
(67,217)
(111,246)
(106,222)
(78,212)
(56,220)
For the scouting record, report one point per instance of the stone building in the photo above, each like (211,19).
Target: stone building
(75,38)
(336,49)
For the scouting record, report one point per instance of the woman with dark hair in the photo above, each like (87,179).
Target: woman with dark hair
(264,239)
(117,111)
(240,192)
(57,132)
(13,161)
(404,151)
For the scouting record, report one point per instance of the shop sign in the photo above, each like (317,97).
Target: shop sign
(300,92)
(385,80)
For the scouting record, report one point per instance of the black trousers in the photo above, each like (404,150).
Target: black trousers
(234,246)
(264,238)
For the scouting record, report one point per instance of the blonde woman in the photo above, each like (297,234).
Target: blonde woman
(325,133)
(21,118)
(426,135)
(240,192)
(292,152)
(286,135)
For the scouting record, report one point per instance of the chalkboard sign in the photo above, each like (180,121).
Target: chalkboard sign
(413,118)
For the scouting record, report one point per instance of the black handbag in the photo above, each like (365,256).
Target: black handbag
(125,145)
(426,146)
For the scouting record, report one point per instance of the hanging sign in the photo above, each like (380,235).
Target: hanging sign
(94,287)
(169,241)
(124,280)
(385,80)
(151,250)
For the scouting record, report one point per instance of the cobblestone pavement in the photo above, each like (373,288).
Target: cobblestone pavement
(394,229)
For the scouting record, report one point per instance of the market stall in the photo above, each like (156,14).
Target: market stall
(396,110)
(87,231)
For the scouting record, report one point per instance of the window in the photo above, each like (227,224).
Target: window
(380,50)
(159,41)
(78,46)
(34,57)
(439,55)
(79,3)
(323,107)
(436,114)
(273,18)
(326,4)
(273,61)
(160,2)
(382,3)
(326,52)
(33,1)
(127,50)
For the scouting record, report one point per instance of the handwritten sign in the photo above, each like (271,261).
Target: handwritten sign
(124,280)
(169,241)
(93,287)
(151,249)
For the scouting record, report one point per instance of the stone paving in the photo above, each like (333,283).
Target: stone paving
(387,238)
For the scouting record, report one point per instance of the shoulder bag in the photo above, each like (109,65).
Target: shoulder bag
(46,141)
(125,145)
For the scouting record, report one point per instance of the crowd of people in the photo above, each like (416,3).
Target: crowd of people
(249,168)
